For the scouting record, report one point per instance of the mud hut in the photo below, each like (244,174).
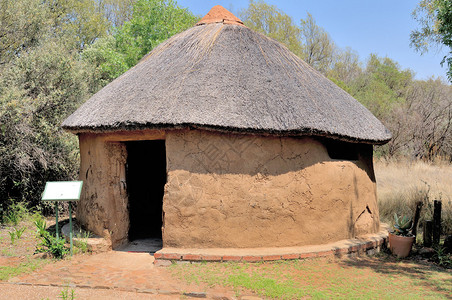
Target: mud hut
(221,137)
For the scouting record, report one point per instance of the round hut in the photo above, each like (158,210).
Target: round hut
(222,138)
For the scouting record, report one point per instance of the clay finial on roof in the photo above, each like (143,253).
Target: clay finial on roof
(219,14)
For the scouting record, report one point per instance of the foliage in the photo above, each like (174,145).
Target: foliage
(117,12)
(346,68)
(274,23)
(49,243)
(152,22)
(37,91)
(16,234)
(42,80)
(41,226)
(381,86)
(318,48)
(402,225)
(435,19)
(82,242)
(108,61)
(442,258)
(15,213)
(81,20)
(445,30)
(22,25)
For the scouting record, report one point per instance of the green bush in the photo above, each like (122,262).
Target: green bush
(49,243)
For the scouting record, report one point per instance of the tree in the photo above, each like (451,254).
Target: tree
(81,21)
(346,66)
(37,91)
(435,19)
(42,81)
(308,41)
(382,86)
(22,23)
(117,12)
(429,117)
(152,22)
(318,48)
(274,23)
(445,30)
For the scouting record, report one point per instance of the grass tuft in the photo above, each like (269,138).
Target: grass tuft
(29,266)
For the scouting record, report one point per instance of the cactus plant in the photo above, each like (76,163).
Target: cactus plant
(402,225)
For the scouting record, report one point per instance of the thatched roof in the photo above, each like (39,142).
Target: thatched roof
(221,75)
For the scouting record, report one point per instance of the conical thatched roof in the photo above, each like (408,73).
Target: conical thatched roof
(221,75)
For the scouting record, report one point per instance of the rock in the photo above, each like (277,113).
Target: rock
(426,252)
(448,244)
(162,263)
(42,255)
(196,294)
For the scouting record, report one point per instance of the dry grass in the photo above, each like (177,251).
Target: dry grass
(400,184)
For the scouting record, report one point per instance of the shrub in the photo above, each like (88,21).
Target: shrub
(49,243)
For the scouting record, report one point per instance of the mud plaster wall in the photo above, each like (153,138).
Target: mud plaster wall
(228,190)
(103,205)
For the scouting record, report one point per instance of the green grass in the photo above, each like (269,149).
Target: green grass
(7,272)
(324,279)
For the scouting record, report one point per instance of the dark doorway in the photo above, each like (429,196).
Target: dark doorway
(146,178)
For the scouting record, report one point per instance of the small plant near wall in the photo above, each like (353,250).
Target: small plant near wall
(401,240)
(16,234)
(402,225)
(49,243)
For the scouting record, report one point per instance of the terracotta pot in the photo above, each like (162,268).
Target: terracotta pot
(400,245)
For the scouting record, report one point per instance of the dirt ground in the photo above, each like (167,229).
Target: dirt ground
(116,270)
(14,291)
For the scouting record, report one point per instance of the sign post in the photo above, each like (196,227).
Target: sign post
(63,191)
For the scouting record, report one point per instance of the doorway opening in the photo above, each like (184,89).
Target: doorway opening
(146,178)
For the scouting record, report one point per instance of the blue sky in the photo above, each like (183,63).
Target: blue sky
(382,27)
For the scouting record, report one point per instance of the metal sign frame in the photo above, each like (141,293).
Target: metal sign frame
(66,191)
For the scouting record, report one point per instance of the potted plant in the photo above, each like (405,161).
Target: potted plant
(401,240)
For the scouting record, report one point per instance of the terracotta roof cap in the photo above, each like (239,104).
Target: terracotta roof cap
(219,14)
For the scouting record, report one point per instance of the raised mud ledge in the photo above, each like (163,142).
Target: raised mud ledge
(369,244)
(95,243)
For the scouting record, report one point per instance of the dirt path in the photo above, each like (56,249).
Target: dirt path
(115,271)
(15,291)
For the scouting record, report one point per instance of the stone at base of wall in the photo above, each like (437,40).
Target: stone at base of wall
(96,244)
(365,245)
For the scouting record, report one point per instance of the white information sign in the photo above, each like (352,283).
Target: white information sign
(62,191)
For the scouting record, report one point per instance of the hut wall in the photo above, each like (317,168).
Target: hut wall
(103,205)
(227,190)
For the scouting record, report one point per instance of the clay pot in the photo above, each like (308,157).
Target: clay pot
(400,245)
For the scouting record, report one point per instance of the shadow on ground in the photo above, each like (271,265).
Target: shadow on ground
(425,273)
